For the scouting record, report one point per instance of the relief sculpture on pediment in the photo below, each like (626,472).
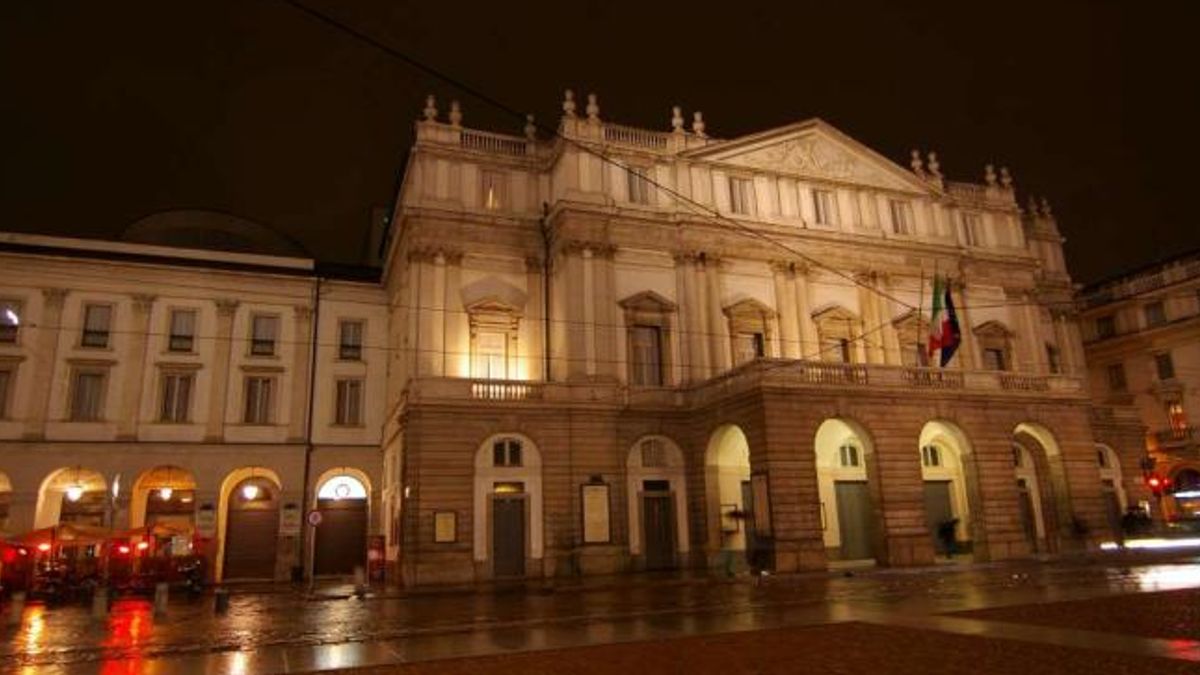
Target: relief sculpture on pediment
(805,156)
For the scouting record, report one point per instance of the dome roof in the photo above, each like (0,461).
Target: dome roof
(211,230)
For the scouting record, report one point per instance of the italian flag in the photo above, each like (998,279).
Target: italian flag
(944,333)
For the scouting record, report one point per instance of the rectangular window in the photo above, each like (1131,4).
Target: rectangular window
(506,452)
(1176,417)
(10,321)
(741,196)
(848,455)
(183,330)
(87,399)
(1106,326)
(349,403)
(824,207)
(1165,366)
(994,359)
(645,346)
(176,397)
(1116,377)
(902,216)
(748,346)
(931,456)
(1155,314)
(97,321)
(639,187)
(493,191)
(491,356)
(1054,359)
(263,333)
(350,340)
(6,379)
(972,229)
(259,408)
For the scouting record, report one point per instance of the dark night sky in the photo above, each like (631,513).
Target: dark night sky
(114,110)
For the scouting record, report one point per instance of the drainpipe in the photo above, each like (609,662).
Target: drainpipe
(305,558)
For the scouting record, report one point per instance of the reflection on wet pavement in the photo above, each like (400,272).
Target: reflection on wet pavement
(346,632)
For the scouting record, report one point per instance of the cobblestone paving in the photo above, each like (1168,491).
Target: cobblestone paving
(846,648)
(1168,614)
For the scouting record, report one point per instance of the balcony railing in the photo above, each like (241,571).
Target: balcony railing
(505,390)
(1175,436)
(643,138)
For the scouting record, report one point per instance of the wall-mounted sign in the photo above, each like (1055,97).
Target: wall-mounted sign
(206,520)
(596,527)
(289,520)
(445,527)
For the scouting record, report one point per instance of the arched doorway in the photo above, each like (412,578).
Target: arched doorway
(251,526)
(164,500)
(657,489)
(1185,489)
(340,542)
(508,504)
(1052,494)
(842,449)
(1112,489)
(72,495)
(1029,498)
(944,451)
(727,491)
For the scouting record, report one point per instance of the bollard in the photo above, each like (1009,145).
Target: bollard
(222,601)
(161,591)
(360,581)
(17,608)
(100,603)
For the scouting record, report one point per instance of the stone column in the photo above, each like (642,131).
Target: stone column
(456,362)
(969,350)
(45,358)
(891,340)
(587,299)
(435,317)
(1066,347)
(532,326)
(785,302)
(136,357)
(701,346)
(576,323)
(719,345)
(682,325)
(299,393)
(603,299)
(1037,347)
(214,429)
(809,340)
(899,490)
(869,313)
(783,451)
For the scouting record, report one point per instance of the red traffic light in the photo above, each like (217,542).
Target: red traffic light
(1154,482)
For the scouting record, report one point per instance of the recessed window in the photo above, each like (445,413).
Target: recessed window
(994,358)
(902,216)
(493,190)
(931,456)
(824,207)
(264,331)
(176,397)
(645,352)
(848,455)
(6,380)
(350,340)
(506,452)
(741,196)
(87,396)
(1155,314)
(97,322)
(259,400)
(1101,458)
(349,402)
(1116,378)
(1054,359)
(491,355)
(1106,326)
(10,321)
(183,330)
(639,187)
(1164,365)
(972,229)
(748,346)
(1016,456)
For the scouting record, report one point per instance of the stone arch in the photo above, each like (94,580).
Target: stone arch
(1052,478)
(726,472)
(844,453)
(179,483)
(1029,497)
(330,474)
(951,486)
(233,480)
(656,458)
(342,495)
(488,475)
(1112,486)
(57,501)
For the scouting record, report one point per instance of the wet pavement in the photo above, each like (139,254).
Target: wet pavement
(285,631)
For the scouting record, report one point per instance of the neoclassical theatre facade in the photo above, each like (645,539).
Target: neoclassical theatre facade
(602,350)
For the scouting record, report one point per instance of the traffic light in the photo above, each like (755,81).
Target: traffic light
(1157,484)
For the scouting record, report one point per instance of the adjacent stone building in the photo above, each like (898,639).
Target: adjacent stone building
(1142,339)
(601,350)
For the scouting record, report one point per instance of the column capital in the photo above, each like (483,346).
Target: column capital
(142,302)
(302,312)
(54,297)
(226,306)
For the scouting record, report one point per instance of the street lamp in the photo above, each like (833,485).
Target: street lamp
(249,492)
(74,492)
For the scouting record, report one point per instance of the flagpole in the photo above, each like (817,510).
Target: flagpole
(922,360)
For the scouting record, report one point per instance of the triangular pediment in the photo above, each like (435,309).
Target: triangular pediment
(813,149)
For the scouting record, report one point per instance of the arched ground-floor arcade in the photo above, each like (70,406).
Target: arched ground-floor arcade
(240,507)
(779,479)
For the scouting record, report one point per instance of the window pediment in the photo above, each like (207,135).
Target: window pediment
(833,313)
(993,329)
(749,308)
(647,301)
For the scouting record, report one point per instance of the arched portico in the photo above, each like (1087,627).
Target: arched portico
(727,487)
(1053,492)
(165,494)
(656,485)
(72,495)
(842,451)
(945,453)
(342,496)
(1029,498)
(1112,486)
(248,524)
(508,522)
